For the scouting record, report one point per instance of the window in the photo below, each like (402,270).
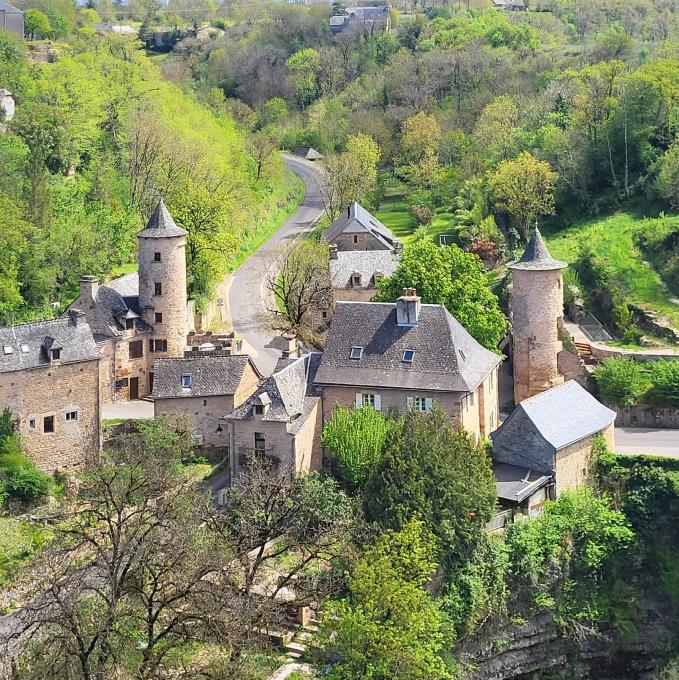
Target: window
(129,324)
(186,380)
(259,409)
(260,442)
(31,423)
(423,404)
(356,352)
(25,348)
(157,288)
(71,416)
(157,257)
(8,349)
(355,238)
(356,280)
(136,349)
(48,424)
(204,402)
(408,356)
(158,345)
(324,315)
(159,317)
(369,399)
(56,354)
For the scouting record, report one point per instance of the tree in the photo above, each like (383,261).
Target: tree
(524,188)
(389,626)
(303,67)
(298,285)
(263,150)
(420,137)
(668,176)
(494,129)
(622,381)
(356,437)
(36,24)
(448,276)
(275,111)
(433,471)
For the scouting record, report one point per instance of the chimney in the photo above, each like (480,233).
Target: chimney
(398,247)
(76,317)
(408,308)
(349,210)
(88,290)
(332,250)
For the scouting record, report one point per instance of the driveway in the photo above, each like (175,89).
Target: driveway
(647,440)
(247,293)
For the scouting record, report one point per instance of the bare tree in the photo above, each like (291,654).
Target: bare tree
(298,283)
(262,150)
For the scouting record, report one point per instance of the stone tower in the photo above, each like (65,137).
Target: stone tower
(162,283)
(536,312)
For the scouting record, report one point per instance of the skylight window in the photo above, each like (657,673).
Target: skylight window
(356,352)
(408,356)
(25,348)
(186,380)
(464,358)
(8,349)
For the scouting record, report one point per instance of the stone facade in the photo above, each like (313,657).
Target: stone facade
(363,241)
(574,462)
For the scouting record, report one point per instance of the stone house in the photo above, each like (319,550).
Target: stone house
(308,153)
(367,18)
(49,379)
(204,386)
(11,19)
(552,432)
(140,316)
(362,251)
(510,5)
(282,419)
(7,106)
(407,355)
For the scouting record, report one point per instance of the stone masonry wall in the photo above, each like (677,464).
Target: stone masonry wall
(278,442)
(365,242)
(53,391)
(204,413)
(574,462)
(307,443)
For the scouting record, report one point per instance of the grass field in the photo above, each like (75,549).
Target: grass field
(613,239)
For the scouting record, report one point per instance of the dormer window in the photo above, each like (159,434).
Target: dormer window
(355,280)
(129,324)
(408,356)
(356,352)
(56,354)
(259,409)
(186,381)
(25,348)
(8,349)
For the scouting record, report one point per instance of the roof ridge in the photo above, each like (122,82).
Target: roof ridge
(35,323)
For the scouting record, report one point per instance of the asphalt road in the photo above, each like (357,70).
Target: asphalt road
(647,440)
(247,294)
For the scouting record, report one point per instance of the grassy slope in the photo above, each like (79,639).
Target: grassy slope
(613,239)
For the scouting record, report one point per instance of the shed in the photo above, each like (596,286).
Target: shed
(308,152)
(11,19)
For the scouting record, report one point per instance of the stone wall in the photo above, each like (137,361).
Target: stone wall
(642,415)
(365,242)
(55,391)
(574,462)
(278,441)
(204,412)
(307,443)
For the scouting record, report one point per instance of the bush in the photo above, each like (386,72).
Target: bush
(21,479)
(665,379)
(622,381)
(422,214)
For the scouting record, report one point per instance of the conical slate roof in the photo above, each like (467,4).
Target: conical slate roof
(161,224)
(537,257)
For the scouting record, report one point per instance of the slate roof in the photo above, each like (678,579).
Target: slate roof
(367,263)
(515,484)
(211,376)
(356,220)
(290,392)
(561,415)
(308,152)
(6,7)
(30,341)
(161,224)
(446,359)
(537,256)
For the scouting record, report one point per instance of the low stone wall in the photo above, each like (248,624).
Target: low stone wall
(642,415)
(601,352)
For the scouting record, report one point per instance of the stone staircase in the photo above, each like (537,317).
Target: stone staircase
(302,642)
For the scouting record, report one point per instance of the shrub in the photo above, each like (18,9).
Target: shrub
(422,214)
(21,478)
(622,381)
(665,379)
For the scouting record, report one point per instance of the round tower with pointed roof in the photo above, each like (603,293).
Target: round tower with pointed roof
(162,283)
(536,311)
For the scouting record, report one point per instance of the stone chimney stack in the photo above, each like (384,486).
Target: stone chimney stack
(332,250)
(89,285)
(76,317)
(408,308)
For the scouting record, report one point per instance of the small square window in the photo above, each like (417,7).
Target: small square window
(136,349)
(31,423)
(129,324)
(356,280)
(71,416)
(260,442)
(8,349)
(157,257)
(324,315)
(159,317)
(355,238)
(56,354)
(48,424)
(25,349)
(259,409)
(157,288)
(356,352)
(408,356)
(186,381)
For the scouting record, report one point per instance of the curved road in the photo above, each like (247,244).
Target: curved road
(247,292)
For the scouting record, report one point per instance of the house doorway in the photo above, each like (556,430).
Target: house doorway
(150,382)
(134,388)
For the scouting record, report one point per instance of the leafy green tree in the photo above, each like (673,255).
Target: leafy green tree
(524,188)
(495,128)
(36,24)
(448,276)
(389,627)
(303,67)
(668,176)
(622,381)
(420,137)
(275,111)
(355,437)
(433,471)
(665,379)
(13,61)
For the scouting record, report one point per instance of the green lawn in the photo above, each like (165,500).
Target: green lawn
(394,214)
(612,239)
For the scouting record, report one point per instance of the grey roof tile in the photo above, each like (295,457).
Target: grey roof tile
(210,376)
(446,357)
(357,219)
(367,263)
(161,224)
(537,256)
(29,344)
